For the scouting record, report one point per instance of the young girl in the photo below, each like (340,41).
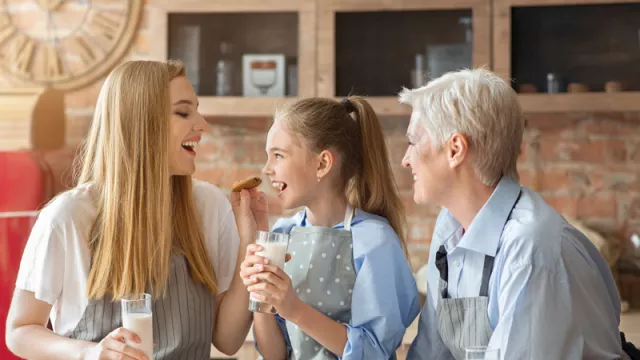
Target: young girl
(136,222)
(348,290)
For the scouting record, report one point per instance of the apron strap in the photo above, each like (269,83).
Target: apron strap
(443,269)
(348,217)
(486,274)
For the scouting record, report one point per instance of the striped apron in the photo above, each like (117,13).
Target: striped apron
(183,320)
(463,322)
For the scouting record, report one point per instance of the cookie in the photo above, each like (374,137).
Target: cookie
(248,184)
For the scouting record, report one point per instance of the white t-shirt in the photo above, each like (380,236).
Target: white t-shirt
(55,262)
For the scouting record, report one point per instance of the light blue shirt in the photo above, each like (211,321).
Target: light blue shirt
(551,294)
(385,297)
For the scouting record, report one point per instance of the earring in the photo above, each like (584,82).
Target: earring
(318,178)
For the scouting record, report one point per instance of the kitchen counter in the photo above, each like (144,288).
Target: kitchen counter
(629,324)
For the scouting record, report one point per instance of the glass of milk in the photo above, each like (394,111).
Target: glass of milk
(275,249)
(481,353)
(137,317)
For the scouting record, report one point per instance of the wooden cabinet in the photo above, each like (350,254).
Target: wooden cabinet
(590,46)
(371,48)
(336,45)
(203,32)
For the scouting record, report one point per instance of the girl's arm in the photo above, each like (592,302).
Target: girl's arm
(328,332)
(269,337)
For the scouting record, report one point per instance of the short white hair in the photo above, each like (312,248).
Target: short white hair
(480,105)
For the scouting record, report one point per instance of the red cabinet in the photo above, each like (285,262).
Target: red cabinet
(28,180)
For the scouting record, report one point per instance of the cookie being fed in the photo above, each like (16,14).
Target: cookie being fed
(248,184)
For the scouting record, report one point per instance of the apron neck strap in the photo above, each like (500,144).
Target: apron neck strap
(348,217)
(443,268)
(486,275)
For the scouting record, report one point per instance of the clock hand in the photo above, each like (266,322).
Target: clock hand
(54,5)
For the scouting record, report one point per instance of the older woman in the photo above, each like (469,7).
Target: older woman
(505,269)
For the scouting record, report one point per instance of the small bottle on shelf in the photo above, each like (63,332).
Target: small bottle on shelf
(553,84)
(225,70)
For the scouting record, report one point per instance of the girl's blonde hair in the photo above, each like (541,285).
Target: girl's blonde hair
(352,128)
(143,213)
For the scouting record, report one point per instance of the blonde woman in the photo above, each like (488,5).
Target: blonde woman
(136,222)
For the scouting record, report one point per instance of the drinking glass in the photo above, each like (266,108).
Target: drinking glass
(275,249)
(137,317)
(481,353)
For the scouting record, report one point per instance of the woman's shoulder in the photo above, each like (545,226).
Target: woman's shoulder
(210,198)
(205,190)
(71,206)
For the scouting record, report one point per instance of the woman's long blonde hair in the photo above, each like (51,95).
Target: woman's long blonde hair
(143,213)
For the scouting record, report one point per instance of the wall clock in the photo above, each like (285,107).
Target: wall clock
(65,44)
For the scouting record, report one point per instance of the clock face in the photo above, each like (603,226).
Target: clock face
(65,44)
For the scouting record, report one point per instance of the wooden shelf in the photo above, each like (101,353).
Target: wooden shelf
(580,102)
(224,6)
(567,2)
(214,106)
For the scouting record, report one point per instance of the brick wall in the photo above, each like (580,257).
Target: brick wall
(586,165)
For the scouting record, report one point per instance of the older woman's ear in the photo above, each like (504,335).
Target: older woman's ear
(457,148)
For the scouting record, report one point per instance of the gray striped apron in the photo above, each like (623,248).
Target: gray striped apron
(322,274)
(463,322)
(182,321)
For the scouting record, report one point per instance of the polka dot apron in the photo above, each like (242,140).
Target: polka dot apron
(322,274)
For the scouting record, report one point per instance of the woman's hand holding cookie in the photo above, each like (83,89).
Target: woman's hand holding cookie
(250,208)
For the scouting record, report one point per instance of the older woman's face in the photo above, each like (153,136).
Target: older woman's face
(430,168)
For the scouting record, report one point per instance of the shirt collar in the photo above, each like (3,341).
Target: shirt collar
(484,233)
(359,216)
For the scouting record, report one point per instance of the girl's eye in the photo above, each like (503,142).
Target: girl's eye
(277,156)
(184,115)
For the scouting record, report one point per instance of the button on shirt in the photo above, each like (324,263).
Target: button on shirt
(551,294)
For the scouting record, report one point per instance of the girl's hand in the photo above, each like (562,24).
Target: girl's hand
(252,265)
(278,290)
